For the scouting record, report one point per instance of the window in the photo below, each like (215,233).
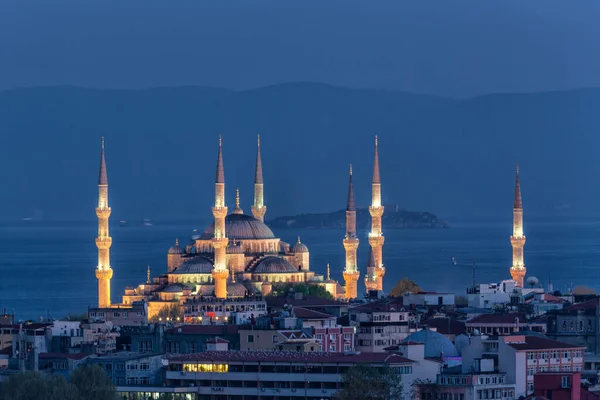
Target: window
(567,354)
(566,368)
(191,346)
(108,366)
(275,339)
(529,387)
(554,354)
(250,338)
(580,325)
(144,366)
(132,381)
(139,314)
(565,382)
(531,371)
(145,346)
(544,355)
(346,336)
(531,355)
(132,366)
(116,314)
(119,381)
(347,347)
(144,380)
(119,366)
(332,347)
(92,314)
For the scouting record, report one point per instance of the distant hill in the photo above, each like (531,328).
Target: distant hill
(392,218)
(453,156)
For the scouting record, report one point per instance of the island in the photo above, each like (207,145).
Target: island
(392,218)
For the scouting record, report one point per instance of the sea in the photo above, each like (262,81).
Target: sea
(47,268)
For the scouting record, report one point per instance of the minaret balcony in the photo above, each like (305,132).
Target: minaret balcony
(103,243)
(376,241)
(350,243)
(351,275)
(517,241)
(220,243)
(103,212)
(376,211)
(219,212)
(104,274)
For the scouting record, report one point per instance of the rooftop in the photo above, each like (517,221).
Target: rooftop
(291,356)
(497,319)
(212,330)
(76,356)
(539,343)
(305,301)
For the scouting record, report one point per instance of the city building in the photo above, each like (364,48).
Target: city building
(133,369)
(186,339)
(234,310)
(482,382)
(435,346)
(281,374)
(379,324)
(502,324)
(560,386)
(61,363)
(576,324)
(521,357)
(135,313)
(429,299)
(487,295)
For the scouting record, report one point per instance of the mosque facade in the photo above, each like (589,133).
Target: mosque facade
(238,255)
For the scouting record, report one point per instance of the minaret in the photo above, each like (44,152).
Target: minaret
(374,278)
(351,272)
(103,242)
(220,271)
(517,240)
(259,209)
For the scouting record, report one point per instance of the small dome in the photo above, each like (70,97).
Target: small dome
(176,248)
(273,265)
(299,247)
(237,290)
(241,226)
(234,248)
(436,344)
(196,265)
(176,287)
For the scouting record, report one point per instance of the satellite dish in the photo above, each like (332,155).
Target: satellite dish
(475,331)
(533,281)
(179,330)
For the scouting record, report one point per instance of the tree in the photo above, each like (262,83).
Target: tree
(404,286)
(33,386)
(364,382)
(168,313)
(282,289)
(93,383)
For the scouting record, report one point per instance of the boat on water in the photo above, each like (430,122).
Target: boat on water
(147,222)
(123,223)
(454,261)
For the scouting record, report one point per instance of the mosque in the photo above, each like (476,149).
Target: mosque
(238,255)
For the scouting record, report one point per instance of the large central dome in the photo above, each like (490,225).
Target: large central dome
(241,226)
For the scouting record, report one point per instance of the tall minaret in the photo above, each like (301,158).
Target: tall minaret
(259,209)
(220,271)
(517,240)
(351,272)
(103,242)
(374,278)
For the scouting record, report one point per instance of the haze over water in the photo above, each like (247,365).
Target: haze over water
(48,267)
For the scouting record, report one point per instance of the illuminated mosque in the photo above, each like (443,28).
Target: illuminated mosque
(238,255)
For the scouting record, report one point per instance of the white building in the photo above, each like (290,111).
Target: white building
(429,299)
(379,325)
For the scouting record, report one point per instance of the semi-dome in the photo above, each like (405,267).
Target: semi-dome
(176,248)
(196,265)
(241,226)
(436,344)
(299,247)
(273,265)
(176,287)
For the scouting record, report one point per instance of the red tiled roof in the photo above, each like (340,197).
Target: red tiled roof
(445,326)
(375,306)
(586,305)
(76,356)
(217,340)
(497,319)
(213,330)
(290,356)
(305,313)
(539,343)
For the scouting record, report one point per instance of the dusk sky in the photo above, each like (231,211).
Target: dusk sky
(461,48)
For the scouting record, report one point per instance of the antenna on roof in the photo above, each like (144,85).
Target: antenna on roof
(473,273)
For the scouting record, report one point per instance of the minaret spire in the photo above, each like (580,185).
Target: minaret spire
(517,240)
(374,278)
(220,241)
(104,272)
(351,273)
(258,208)
(148,275)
